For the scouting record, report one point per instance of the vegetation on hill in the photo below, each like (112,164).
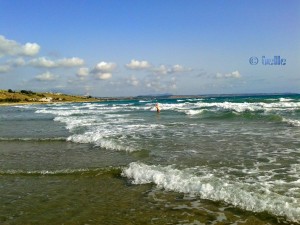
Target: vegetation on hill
(27,96)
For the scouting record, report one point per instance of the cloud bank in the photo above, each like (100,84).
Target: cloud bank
(105,67)
(47,76)
(143,76)
(160,70)
(234,74)
(13,48)
(138,65)
(104,76)
(83,72)
(103,70)
(4,68)
(65,62)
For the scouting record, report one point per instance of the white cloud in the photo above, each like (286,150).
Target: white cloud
(161,84)
(132,81)
(17,62)
(105,67)
(13,48)
(103,70)
(31,49)
(47,76)
(104,76)
(65,62)
(83,72)
(42,62)
(234,74)
(156,85)
(164,70)
(138,65)
(179,69)
(4,68)
(11,64)
(70,62)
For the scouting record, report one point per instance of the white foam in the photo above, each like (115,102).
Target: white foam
(285,99)
(102,126)
(284,104)
(295,123)
(232,106)
(60,112)
(143,101)
(110,133)
(194,112)
(23,106)
(238,107)
(73,122)
(194,99)
(252,197)
(99,140)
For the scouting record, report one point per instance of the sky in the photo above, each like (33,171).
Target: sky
(136,47)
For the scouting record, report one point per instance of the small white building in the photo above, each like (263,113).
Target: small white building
(46,99)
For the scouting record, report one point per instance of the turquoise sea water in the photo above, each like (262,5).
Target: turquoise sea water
(210,160)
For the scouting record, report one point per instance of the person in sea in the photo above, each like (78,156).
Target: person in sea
(157,108)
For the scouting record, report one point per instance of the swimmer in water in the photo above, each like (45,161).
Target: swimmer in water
(157,108)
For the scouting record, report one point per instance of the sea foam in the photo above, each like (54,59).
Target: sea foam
(295,123)
(99,140)
(251,197)
(232,106)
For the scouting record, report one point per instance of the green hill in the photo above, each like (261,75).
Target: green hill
(25,96)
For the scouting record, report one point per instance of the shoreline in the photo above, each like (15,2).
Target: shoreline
(28,97)
(78,99)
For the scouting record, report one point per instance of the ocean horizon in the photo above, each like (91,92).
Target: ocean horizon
(207,159)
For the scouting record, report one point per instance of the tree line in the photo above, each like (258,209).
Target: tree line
(22,92)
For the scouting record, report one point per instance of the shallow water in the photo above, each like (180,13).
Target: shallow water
(226,160)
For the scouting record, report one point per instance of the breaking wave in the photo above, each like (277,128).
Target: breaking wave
(118,126)
(251,197)
(100,141)
(295,123)
(236,107)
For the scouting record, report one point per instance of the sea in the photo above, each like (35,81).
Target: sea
(209,160)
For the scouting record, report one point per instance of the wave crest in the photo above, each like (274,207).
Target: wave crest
(99,140)
(295,123)
(246,196)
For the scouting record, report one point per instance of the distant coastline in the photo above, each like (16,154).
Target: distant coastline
(10,97)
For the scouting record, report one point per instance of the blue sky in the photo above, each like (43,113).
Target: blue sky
(124,48)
